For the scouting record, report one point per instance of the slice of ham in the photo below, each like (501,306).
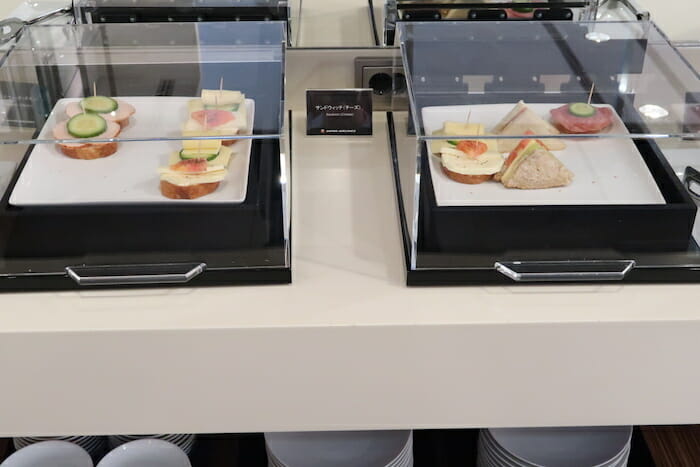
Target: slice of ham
(60,132)
(123,112)
(568,123)
(212,118)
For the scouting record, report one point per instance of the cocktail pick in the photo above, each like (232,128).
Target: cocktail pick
(590,94)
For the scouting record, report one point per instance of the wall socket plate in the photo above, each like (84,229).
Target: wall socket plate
(387,79)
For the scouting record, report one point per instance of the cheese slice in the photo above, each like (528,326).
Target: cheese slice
(463,129)
(460,129)
(213,174)
(221,98)
(203,146)
(223,159)
(487,163)
(194,128)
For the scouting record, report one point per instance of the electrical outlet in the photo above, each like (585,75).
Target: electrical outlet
(387,80)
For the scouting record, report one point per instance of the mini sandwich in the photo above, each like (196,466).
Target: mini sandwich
(460,129)
(87,126)
(469,162)
(532,167)
(522,121)
(217,113)
(190,179)
(212,151)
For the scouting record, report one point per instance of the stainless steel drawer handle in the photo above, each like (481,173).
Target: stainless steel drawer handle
(136,274)
(565,271)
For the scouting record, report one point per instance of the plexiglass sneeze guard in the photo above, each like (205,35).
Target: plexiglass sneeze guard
(144,154)
(542,153)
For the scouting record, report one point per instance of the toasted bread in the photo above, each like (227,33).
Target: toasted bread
(463,178)
(88,151)
(172,191)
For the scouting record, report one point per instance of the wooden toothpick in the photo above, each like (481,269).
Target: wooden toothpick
(94,88)
(221,86)
(469,117)
(590,94)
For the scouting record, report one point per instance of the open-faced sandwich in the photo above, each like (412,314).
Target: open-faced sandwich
(212,151)
(469,161)
(532,167)
(460,129)
(87,126)
(217,113)
(190,179)
(582,118)
(522,121)
(112,110)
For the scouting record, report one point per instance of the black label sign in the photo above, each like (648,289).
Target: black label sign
(339,112)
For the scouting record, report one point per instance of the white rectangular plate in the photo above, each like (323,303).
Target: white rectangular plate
(130,176)
(606,170)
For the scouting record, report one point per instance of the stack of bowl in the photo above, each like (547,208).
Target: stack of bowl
(555,447)
(184,442)
(96,446)
(340,449)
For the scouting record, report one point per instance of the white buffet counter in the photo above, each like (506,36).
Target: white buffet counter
(347,345)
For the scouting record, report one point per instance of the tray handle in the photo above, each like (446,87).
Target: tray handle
(148,274)
(565,271)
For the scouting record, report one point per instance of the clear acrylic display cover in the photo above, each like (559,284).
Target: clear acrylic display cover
(154,181)
(510,181)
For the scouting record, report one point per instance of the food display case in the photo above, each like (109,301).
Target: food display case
(397,11)
(546,151)
(153,11)
(144,154)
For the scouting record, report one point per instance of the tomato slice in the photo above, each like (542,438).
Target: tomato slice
(190,166)
(212,118)
(472,148)
(518,149)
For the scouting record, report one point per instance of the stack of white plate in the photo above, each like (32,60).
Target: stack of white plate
(340,449)
(555,447)
(96,446)
(184,442)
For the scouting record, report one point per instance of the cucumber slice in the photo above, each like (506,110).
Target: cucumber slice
(100,104)
(86,126)
(453,143)
(187,155)
(581,109)
(524,10)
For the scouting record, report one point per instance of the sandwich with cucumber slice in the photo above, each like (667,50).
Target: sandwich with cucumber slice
(112,110)
(87,126)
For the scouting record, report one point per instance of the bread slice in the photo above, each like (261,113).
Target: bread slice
(538,171)
(172,191)
(89,151)
(520,121)
(463,178)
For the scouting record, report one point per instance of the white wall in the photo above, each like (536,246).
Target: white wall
(678,18)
